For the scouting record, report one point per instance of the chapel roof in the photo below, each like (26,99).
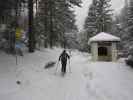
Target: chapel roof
(104,37)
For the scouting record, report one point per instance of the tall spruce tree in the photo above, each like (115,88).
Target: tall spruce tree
(90,22)
(99,17)
(104,13)
(130,18)
(57,17)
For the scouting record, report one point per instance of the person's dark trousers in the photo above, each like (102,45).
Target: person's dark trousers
(63,69)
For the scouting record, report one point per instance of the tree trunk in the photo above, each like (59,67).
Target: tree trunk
(51,24)
(31,34)
(46,20)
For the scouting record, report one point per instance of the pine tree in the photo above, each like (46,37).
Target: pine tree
(104,13)
(99,18)
(90,22)
(130,18)
(57,17)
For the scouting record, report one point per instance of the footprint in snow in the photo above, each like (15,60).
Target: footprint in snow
(88,75)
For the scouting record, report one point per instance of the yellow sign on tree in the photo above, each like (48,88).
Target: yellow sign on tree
(18,33)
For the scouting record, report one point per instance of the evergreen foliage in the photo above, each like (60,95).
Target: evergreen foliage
(99,17)
(130,18)
(56,17)
(90,22)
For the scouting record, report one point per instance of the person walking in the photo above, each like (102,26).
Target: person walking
(63,58)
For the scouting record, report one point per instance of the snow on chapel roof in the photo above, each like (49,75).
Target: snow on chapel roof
(104,37)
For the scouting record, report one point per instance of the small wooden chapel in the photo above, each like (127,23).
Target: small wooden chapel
(104,47)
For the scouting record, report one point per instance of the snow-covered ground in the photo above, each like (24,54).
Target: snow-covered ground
(88,80)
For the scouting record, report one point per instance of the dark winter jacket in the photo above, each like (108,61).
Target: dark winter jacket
(64,56)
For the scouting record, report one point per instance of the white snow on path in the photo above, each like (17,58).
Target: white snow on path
(88,80)
(111,81)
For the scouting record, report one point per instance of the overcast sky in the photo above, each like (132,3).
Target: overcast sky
(82,12)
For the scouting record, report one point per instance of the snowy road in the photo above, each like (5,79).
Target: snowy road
(88,80)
